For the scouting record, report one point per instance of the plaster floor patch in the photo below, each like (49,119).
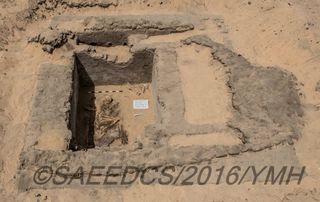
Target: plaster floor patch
(203,85)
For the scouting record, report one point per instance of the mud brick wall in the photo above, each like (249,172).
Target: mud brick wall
(51,104)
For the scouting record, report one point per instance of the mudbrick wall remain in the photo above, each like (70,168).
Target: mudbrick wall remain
(266,106)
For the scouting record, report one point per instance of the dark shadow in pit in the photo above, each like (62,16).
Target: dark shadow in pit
(90,72)
(83,131)
(102,72)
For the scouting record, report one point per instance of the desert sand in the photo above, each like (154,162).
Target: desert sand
(284,34)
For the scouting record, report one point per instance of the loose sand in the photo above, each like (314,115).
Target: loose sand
(267,33)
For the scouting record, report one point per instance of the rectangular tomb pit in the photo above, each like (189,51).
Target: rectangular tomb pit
(102,110)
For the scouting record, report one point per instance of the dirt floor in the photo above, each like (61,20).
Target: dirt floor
(133,120)
(276,33)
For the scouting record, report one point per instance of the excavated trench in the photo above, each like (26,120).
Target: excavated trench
(266,109)
(95,114)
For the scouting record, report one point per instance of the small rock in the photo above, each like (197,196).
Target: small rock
(47,48)
(34,39)
(258,147)
(234,150)
(138,145)
(50,5)
(221,152)
(290,141)
(54,38)
(112,58)
(92,49)
(72,36)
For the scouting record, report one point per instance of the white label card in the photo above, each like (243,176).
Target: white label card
(140,104)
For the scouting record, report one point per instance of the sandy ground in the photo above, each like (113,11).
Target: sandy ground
(203,84)
(268,33)
(134,120)
(205,139)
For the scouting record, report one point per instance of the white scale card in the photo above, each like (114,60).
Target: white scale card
(140,104)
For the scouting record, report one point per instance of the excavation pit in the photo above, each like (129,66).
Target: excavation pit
(102,111)
(66,111)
